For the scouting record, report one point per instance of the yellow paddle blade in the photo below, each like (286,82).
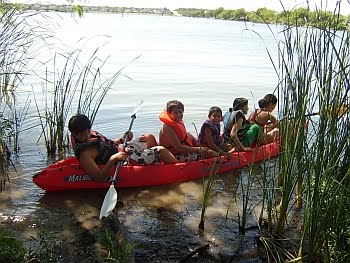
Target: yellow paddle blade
(332,111)
(339,111)
(109,202)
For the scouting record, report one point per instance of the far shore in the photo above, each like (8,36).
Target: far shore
(102,9)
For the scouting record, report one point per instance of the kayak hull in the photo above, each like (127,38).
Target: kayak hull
(67,174)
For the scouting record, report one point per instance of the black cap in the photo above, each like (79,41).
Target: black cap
(238,103)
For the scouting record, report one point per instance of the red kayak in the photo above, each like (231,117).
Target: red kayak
(68,175)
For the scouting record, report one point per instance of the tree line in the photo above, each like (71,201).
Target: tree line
(298,17)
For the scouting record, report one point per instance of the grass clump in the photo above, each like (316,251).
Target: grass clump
(11,249)
(313,69)
(311,179)
(78,87)
(116,252)
(44,249)
(20,40)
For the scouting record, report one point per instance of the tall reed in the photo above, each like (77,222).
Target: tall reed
(313,69)
(75,87)
(247,183)
(20,39)
(206,193)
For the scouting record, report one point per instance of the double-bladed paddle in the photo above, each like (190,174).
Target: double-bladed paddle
(340,111)
(111,197)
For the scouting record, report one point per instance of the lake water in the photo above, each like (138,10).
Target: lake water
(201,62)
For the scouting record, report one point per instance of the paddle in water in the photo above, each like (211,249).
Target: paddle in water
(111,197)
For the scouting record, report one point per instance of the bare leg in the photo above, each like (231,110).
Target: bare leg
(193,139)
(271,136)
(151,140)
(165,155)
(275,133)
(232,150)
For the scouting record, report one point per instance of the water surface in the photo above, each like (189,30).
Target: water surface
(202,62)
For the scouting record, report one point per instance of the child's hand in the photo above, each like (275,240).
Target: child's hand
(207,152)
(118,156)
(128,136)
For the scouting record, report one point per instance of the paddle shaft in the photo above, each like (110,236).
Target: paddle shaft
(312,114)
(340,111)
(111,197)
(133,117)
(306,115)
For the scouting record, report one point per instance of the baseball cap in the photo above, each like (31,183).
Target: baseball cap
(239,103)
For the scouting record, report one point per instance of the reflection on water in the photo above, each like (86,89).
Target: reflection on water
(13,219)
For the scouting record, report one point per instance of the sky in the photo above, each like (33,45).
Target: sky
(249,5)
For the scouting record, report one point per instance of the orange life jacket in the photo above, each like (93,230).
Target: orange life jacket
(179,128)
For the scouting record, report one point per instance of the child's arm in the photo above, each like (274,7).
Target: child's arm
(234,137)
(209,139)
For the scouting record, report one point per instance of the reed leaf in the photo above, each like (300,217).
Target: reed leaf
(62,87)
(313,68)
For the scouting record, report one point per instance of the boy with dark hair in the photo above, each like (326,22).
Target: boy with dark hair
(91,148)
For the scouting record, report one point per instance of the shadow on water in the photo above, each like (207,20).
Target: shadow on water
(84,205)
(161,222)
(72,217)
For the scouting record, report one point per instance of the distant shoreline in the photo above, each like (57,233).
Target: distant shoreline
(262,15)
(101,9)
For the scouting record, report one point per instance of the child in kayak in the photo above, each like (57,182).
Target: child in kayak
(226,117)
(238,131)
(264,117)
(209,135)
(174,136)
(91,148)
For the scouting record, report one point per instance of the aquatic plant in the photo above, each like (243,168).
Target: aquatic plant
(11,249)
(208,183)
(207,186)
(75,87)
(20,38)
(313,71)
(43,250)
(116,252)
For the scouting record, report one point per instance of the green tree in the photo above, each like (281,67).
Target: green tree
(266,15)
(79,10)
(284,17)
(226,15)
(218,11)
(209,14)
(300,16)
(240,14)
